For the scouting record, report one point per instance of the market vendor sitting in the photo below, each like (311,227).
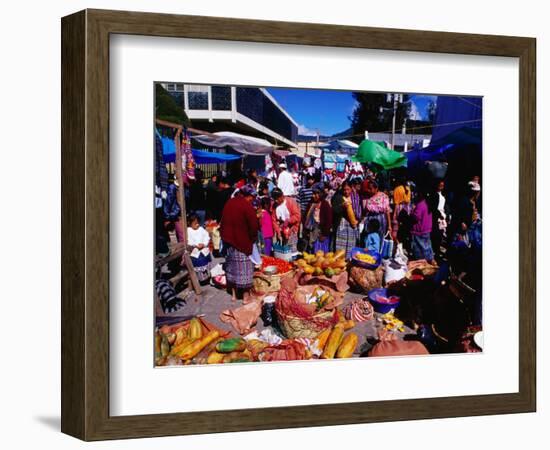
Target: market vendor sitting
(198,240)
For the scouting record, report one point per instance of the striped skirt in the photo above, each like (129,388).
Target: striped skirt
(346,237)
(202,265)
(321,245)
(239,269)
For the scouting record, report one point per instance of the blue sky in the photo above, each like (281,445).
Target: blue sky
(325,110)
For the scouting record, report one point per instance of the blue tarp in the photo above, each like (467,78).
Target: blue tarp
(462,149)
(205,157)
(201,156)
(456,112)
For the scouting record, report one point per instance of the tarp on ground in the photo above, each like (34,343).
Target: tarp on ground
(201,156)
(378,153)
(246,145)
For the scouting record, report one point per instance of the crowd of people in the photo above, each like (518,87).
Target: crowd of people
(313,209)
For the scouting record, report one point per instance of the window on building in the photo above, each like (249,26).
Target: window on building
(221,98)
(197,96)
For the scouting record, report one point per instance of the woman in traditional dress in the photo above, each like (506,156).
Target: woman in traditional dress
(318,222)
(401,213)
(345,219)
(421,229)
(239,231)
(286,219)
(376,205)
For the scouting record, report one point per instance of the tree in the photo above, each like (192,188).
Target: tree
(166,107)
(374,113)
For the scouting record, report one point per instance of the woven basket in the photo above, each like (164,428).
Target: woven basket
(295,326)
(265,284)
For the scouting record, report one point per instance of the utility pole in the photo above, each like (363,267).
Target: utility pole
(396,99)
(393,121)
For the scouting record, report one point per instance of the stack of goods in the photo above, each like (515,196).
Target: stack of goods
(321,263)
(392,323)
(268,278)
(363,280)
(363,258)
(420,269)
(185,342)
(323,268)
(304,311)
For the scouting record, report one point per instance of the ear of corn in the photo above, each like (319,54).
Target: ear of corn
(347,347)
(322,338)
(164,346)
(195,328)
(348,325)
(195,347)
(181,334)
(215,358)
(333,342)
(177,349)
(158,341)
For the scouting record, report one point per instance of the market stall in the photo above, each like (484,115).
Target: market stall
(321,306)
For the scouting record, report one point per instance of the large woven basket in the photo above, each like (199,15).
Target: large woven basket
(296,326)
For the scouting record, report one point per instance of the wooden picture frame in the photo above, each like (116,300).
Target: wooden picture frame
(85,224)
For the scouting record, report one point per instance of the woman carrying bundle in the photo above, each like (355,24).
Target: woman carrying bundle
(286,219)
(346,219)
(318,221)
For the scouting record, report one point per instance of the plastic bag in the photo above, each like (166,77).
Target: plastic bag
(394,271)
(400,255)
(387,247)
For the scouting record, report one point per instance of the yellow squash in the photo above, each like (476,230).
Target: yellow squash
(347,347)
(215,358)
(176,350)
(181,334)
(348,325)
(333,342)
(322,338)
(195,347)
(195,328)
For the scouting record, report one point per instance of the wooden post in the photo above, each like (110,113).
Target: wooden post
(183,216)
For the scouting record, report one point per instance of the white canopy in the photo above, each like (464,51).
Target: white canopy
(247,145)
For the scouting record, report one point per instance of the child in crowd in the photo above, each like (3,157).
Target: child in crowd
(266,225)
(372,241)
(198,240)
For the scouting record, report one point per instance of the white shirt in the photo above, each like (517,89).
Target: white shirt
(441,204)
(285,183)
(196,237)
(282,212)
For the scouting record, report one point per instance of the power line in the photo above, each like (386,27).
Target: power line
(414,128)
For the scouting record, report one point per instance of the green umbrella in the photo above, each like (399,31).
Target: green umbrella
(378,153)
